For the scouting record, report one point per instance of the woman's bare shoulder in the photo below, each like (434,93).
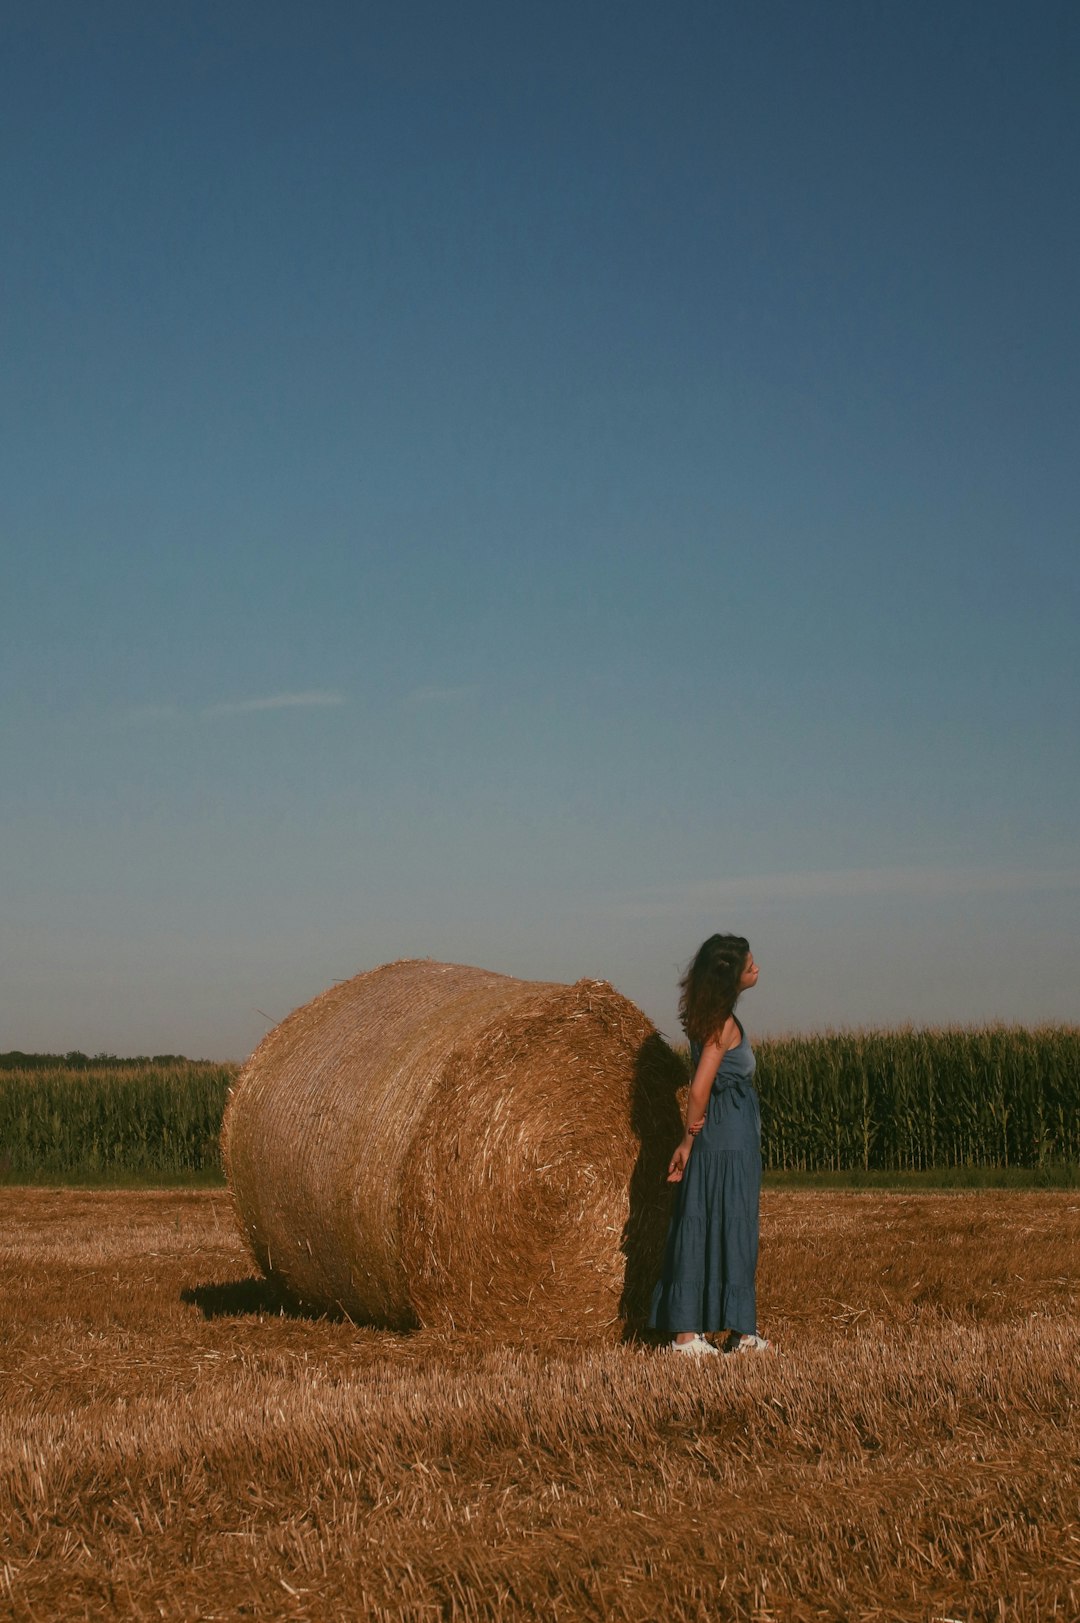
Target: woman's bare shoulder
(729,1036)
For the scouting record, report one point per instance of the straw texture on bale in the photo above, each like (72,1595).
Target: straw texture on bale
(433,1144)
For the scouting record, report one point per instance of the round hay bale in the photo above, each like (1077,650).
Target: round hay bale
(433,1144)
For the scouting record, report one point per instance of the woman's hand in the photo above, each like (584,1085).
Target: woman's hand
(677,1165)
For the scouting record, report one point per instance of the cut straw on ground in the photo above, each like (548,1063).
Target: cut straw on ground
(172,1445)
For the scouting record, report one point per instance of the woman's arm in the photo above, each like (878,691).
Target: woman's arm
(698,1098)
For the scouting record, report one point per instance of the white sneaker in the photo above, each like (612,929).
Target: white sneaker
(697,1348)
(746,1344)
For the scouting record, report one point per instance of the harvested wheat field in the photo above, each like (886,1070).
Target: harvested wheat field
(171,1446)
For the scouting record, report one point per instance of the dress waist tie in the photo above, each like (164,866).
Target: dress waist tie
(740,1086)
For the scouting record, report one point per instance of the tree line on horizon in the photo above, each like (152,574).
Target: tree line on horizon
(76,1060)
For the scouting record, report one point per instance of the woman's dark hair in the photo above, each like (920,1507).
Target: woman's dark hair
(710,987)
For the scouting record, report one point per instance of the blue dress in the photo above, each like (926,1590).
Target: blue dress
(711,1253)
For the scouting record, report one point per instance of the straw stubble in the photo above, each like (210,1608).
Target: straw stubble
(173,1446)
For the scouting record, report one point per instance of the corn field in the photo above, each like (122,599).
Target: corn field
(997,1096)
(993,1096)
(157,1120)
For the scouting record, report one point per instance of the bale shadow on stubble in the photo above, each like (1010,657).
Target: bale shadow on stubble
(657,1125)
(252,1297)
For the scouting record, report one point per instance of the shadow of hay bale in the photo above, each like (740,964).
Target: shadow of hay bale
(437,1145)
(239,1298)
(656,1122)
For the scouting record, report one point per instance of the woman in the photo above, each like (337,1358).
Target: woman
(710,1258)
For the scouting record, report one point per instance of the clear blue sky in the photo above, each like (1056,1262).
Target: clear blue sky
(533,485)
